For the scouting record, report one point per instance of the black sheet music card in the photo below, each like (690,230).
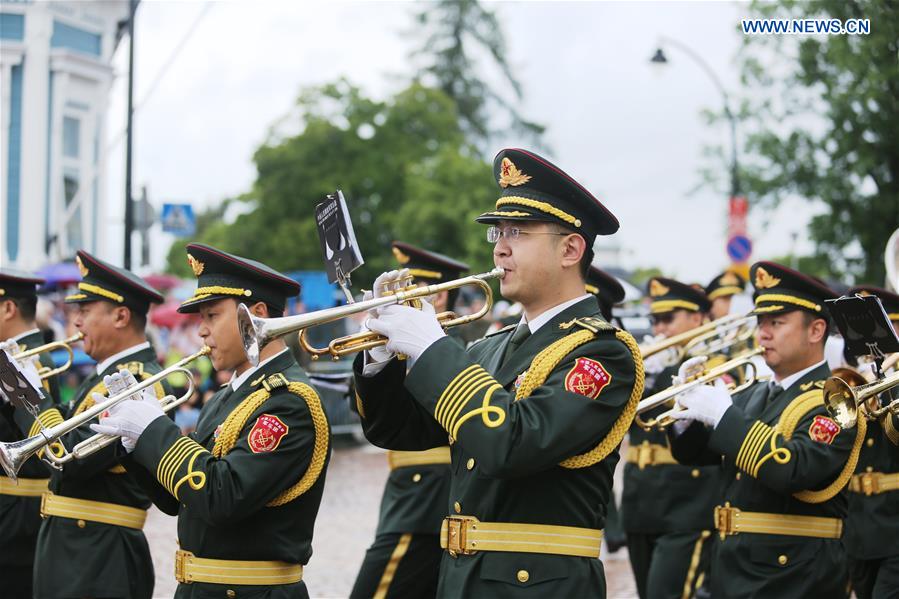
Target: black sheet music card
(16,388)
(338,241)
(864,324)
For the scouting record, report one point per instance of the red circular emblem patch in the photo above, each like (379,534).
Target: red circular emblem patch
(266,434)
(823,430)
(587,377)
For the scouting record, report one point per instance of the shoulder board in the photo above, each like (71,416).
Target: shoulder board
(272,382)
(591,323)
(511,327)
(812,385)
(136,368)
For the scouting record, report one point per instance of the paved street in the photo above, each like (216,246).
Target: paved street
(346,525)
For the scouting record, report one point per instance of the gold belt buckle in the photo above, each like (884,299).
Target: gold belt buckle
(457,535)
(644,455)
(870,483)
(180,557)
(724,520)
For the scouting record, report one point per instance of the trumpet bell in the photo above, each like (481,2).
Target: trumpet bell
(840,402)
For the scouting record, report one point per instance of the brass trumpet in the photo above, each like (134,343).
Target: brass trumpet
(66,344)
(664,419)
(712,337)
(258,332)
(844,402)
(14,454)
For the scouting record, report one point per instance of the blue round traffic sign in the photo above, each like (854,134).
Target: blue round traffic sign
(739,248)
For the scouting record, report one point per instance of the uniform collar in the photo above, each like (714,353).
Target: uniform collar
(102,366)
(788,381)
(535,324)
(237,381)
(21,336)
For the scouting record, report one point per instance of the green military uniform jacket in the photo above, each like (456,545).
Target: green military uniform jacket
(666,498)
(93,560)
(506,453)
(20,517)
(872,527)
(763,471)
(256,502)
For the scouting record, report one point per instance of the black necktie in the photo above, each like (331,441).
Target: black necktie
(774,390)
(522,332)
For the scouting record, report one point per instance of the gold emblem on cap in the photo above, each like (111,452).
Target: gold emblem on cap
(195,265)
(763,280)
(400,256)
(510,175)
(656,288)
(81,267)
(730,278)
(864,293)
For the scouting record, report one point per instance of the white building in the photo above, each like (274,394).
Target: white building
(55,60)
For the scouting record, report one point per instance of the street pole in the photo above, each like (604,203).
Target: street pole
(129,203)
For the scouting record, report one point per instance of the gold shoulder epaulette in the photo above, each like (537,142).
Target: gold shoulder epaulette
(274,381)
(591,323)
(136,368)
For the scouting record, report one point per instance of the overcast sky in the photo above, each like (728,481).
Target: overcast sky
(630,133)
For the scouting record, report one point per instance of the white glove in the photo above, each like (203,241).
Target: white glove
(690,368)
(409,331)
(659,361)
(386,281)
(705,403)
(129,418)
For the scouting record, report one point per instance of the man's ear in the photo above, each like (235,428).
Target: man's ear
(121,317)
(816,330)
(573,248)
(259,309)
(7,309)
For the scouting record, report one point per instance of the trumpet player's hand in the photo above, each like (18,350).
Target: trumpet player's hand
(690,368)
(705,403)
(409,331)
(659,361)
(386,282)
(129,418)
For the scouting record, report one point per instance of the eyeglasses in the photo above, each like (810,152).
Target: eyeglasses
(513,233)
(665,318)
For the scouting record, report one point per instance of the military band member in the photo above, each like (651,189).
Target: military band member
(405,558)
(534,413)
(247,484)
(91,542)
(20,503)
(872,528)
(721,292)
(666,505)
(785,461)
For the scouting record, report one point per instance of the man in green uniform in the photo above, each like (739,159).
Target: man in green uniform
(405,558)
(666,505)
(872,527)
(721,292)
(91,542)
(785,462)
(608,292)
(20,504)
(247,483)
(535,416)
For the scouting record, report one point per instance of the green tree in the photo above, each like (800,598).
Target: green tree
(403,165)
(455,33)
(826,129)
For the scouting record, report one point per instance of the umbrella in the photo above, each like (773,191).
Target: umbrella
(167,315)
(162,282)
(60,274)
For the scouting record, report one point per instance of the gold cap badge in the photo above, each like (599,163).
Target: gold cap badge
(400,256)
(81,267)
(195,265)
(864,293)
(763,280)
(510,175)
(656,288)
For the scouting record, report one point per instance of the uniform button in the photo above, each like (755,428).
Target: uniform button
(869,469)
(230,594)
(458,507)
(416,477)
(523,576)
(870,442)
(470,463)
(782,560)
(738,475)
(695,473)
(82,524)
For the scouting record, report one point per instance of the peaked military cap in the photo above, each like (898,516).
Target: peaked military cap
(101,281)
(534,189)
(18,284)
(220,275)
(726,284)
(606,288)
(889,299)
(426,266)
(668,295)
(781,289)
